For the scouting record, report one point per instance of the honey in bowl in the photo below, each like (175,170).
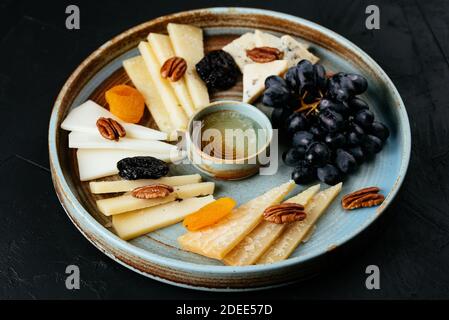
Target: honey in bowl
(230,135)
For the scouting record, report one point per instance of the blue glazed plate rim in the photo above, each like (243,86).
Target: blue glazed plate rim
(116,242)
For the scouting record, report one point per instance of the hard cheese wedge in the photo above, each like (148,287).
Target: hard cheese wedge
(216,241)
(141,78)
(237,49)
(83,140)
(295,232)
(101,187)
(127,202)
(99,163)
(295,51)
(163,50)
(171,103)
(259,240)
(84,119)
(254,76)
(187,41)
(136,223)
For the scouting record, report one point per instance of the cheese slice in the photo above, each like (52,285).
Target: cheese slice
(187,41)
(84,119)
(163,50)
(136,223)
(217,240)
(140,77)
(102,187)
(259,240)
(99,163)
(254,76)
(127,202)
(237,49)
(295,51)
(90,141)
(171,103)
(295,232)
(265,39)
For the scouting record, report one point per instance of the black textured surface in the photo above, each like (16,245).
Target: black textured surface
(410,242)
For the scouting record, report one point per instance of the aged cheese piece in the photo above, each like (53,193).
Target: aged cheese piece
(254,244)
(295,51)
(132,224)
(187,41)
(295,232)
(265,39)
(84,119)
(171,103)
(127,202)
(254,76)
(101,187)
(89,141)
(237,49)
(99,163)
(163,50)
(140,77)
(216,241)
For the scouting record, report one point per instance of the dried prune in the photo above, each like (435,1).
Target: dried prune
(142,168)
(218,70)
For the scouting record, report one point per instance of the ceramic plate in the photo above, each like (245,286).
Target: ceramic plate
(157,255)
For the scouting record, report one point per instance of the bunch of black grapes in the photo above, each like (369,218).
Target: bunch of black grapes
(334,132)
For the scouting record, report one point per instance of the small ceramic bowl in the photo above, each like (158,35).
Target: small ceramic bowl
(229,169)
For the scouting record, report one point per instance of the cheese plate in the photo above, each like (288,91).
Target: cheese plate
(145,240)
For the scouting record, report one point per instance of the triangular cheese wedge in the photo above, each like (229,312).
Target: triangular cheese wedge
(162,48)
(254,76)
(84,119)
(187,41)
(138,73)
(295,51)
(216,241)
(171,103)
(259,240)
(265,39)
(237,49)
(295,232)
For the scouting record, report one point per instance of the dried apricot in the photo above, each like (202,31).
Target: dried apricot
(126,103)
(209,214)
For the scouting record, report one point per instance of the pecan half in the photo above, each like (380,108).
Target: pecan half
(284,213)
(152,191)
(173,69)
(264,54)
(110,129)
(363,198)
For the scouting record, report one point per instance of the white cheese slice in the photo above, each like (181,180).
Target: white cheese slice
(187,41)
(99,163)
(265,39)
(141,78)
(84,119)
(82,140)
(294,51)
(132,224)
(259,240)
(254,76)
(295,232)
(102,187)
(163,50)
(171,103)
(237,49)
(127,202)
(218,240)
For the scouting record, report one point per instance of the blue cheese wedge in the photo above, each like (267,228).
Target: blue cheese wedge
(237,49)
(265,39)
(254,76)
(294,51)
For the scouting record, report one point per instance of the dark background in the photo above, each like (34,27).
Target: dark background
(410,242)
